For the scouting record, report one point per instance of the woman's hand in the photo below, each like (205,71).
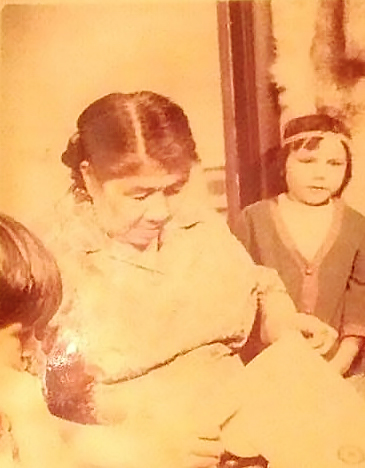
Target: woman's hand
(205,451)
(318,334)
(279,316)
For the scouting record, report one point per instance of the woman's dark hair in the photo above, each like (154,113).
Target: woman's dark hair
(307,132)
(111,130)
(30,282)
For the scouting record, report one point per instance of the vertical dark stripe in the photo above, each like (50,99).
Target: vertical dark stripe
(237,56)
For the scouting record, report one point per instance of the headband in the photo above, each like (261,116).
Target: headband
(306,136)
(315,125)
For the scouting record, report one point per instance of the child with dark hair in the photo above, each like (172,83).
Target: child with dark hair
(30,293)
(311,237)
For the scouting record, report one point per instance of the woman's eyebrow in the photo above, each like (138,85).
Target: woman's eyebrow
(179,183)
(144,190)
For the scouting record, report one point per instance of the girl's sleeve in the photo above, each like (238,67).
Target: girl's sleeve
(354,314)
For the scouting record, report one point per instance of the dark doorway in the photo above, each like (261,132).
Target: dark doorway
(250,107)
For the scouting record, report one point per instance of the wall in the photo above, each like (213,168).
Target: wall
(56,59)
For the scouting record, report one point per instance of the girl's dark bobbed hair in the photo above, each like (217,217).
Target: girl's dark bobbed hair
(299,127)
(306,132)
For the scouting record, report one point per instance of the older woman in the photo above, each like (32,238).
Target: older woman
(161,295)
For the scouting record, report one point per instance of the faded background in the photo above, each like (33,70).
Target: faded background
(57,59)
(334,79)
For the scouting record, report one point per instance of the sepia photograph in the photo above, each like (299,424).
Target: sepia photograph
(206,156)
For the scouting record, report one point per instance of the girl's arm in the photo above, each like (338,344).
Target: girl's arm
(353,323)
(348,350)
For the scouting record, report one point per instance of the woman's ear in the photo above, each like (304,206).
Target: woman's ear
(92,183)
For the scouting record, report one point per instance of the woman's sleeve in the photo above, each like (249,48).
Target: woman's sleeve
(69,386)
(276,306)
(243,229)
(353,323)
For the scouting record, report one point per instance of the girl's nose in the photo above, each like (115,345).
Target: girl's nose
(319,171)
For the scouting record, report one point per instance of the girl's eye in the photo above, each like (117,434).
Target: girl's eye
(306,160)
(334,162)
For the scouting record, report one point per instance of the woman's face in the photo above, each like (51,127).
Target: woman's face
(135,209)
(313,177)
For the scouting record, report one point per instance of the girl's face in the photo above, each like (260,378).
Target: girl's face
(135,209)
(313,177)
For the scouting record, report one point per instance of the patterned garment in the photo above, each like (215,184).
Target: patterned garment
(151,339)
(126,313)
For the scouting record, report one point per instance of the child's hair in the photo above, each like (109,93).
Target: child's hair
(110,131)
(307,132)
(30,282)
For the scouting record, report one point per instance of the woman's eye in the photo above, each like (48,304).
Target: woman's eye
(171,191)
(174,190)
(140,197)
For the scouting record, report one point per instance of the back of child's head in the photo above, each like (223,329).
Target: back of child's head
(30,282)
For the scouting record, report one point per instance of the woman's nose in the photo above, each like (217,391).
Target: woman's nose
(158,209)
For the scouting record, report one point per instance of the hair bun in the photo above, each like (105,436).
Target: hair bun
(73,154)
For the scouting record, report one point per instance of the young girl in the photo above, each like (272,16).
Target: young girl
(30,293)
(311,237)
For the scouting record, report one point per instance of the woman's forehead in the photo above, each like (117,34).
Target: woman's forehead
(149,181)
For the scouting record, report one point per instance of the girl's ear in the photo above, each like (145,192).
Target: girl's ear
(92,184)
